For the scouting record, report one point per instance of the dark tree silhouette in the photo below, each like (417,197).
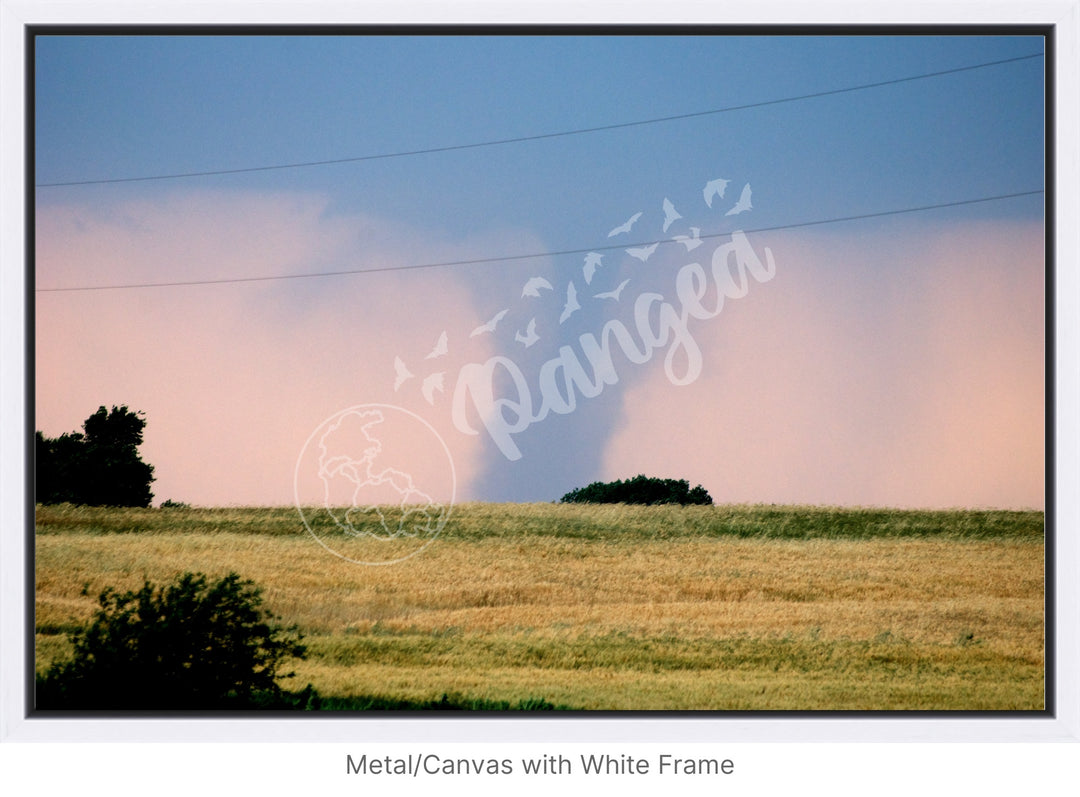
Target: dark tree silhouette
(60,462)
(639,490)
(193,644)
(99,467)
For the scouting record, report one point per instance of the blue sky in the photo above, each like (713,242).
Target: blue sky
(124,107)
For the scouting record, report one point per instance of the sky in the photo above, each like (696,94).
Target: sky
(244,236)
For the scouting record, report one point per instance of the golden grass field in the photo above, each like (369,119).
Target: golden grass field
(612,607)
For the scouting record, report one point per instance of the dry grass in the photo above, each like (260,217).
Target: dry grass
(615,607)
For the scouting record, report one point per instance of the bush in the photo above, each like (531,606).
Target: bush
(639,490)
(190,645)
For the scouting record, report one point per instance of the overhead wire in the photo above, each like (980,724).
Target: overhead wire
(541,136)
(535,255)
(520,139)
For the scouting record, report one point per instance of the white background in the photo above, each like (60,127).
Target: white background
(881,756)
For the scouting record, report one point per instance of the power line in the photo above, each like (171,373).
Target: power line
(541,136)
(534,255)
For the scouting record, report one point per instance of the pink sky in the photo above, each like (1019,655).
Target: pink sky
(880,370)
(890,368)
(233,379)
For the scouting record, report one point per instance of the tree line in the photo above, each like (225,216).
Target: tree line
(99,466)
(639,490)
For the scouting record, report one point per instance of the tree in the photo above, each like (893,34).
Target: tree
(639,490)
(190,645)
(60,463)
(99,467)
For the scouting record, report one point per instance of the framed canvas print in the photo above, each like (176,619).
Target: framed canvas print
(516,378)
(738,404)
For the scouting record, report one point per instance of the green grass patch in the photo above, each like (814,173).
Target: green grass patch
(597,523)
(619,651)
(447,702)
